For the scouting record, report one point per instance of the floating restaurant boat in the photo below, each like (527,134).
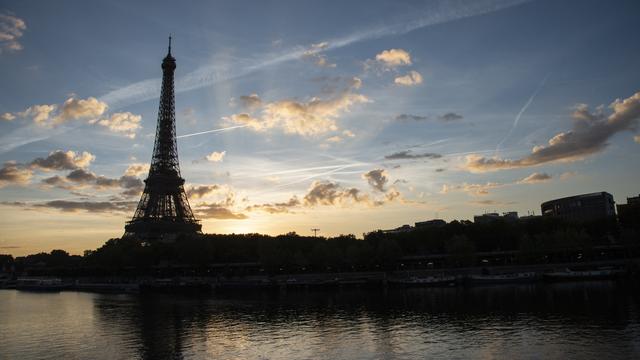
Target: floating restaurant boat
(568,274)
(503,278)
(426,281)
(175,285)
(41,284)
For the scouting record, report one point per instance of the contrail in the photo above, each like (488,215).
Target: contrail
(211,131)
(27,135)
(440,13)
(208,75)
(341,166)
(524,108)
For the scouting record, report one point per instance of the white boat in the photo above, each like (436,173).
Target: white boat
(568,274)
(503,278)
(41,284)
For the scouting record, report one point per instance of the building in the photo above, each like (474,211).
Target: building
(431,223)
(491,217)
(581,207)
(401,229)
(629,213)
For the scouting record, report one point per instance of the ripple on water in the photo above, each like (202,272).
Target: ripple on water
(589,321)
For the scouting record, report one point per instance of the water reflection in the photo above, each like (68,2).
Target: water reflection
(395,323)
(586,320)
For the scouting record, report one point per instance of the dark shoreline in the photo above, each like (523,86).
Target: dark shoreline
(458,277)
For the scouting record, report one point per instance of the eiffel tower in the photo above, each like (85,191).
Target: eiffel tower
(163,212)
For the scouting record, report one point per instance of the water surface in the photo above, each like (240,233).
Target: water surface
(586,320)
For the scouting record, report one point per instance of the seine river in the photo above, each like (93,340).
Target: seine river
(585,320)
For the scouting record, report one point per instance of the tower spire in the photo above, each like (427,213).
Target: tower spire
(163,211)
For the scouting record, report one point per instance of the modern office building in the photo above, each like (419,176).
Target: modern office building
(581,207)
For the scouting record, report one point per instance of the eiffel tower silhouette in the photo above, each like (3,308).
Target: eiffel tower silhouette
(163,212)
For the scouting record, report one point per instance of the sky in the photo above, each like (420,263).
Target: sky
(292,115)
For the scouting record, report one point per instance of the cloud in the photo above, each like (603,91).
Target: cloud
(406,117)
(407,155)
(491,202)
(13,173)
(90,109)
(377,178)
(7,116)
(200,191)
(535,178)
(73,109)
(589,135)
(221,209)
(276,208)
(471,189)
(314,53)
(312,117)
(89,206)
(637,139)
(38,113)
(63,160)
(412,78)
(210,74)
(131,186)
(81,176)
(131,183)
(125,123)
(216,211)
(450,116)
(137,169)
(103,182)
(11,28)
(56,180)
(121,207)
(330,193)
(248,120)
(216,156)
(250,102)
(394,57)
(20,174)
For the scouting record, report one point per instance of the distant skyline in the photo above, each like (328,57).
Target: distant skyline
(347,117)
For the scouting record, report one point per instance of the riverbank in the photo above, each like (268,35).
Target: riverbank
(470,276)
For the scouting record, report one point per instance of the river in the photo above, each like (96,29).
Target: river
(582,320)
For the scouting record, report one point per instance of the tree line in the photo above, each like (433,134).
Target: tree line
(457,243)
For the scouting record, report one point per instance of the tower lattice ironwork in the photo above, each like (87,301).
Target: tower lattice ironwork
(163,210)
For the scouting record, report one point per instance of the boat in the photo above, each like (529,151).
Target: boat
(426,281)
(569,274)
(175,285)
(41,284)
(503,278)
